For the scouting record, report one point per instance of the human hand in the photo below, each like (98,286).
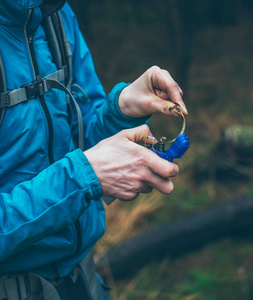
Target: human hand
(153,92)
(125,169)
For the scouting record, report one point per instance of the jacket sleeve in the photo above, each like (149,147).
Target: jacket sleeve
(44,200)
(101,115)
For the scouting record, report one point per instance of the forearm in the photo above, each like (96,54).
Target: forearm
(49,202)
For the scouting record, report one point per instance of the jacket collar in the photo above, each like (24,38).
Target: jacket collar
(15,13)
(50,6)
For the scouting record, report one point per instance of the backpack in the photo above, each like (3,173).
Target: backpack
(60,49)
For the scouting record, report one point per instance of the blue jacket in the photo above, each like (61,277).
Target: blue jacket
(50,215)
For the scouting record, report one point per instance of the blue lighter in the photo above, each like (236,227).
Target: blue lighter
(176,150)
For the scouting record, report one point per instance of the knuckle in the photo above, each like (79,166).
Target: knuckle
(138,186)
(154,69)
(140,160)
(145,128)
(175,169)
(145,177)
(127,196)
(132,196)
(144,157)
(166,71)
(169,170)
(174,85)
(123,132)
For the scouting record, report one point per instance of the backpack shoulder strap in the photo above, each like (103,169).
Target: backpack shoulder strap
(2,88)
(2,76)
(59,45)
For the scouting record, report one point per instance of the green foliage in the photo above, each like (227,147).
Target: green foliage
(212,274)
(201,283)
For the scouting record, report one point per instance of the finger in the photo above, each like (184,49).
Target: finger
(174,91)
(161,166)
(162,106)
(167,107)
(163,185)
(161,103)
(147,189)
(161,94)
(138,134)
(129,196)
(150,140)
(181,92)
(162,80)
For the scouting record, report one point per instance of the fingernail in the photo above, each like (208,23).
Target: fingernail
(185,110)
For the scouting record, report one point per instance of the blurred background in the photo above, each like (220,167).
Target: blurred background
(205,247)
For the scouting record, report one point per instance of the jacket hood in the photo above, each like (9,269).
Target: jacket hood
(15,13)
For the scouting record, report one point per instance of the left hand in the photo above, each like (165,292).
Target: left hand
(153,92)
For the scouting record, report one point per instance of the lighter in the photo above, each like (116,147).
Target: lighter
(176,150)
(179,145)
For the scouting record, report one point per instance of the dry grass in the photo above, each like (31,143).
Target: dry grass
(126,220)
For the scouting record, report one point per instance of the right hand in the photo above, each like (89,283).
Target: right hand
(125,169)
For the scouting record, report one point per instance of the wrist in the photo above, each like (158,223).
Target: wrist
(123,104)
(114,96)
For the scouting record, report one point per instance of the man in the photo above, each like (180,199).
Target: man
(51,214)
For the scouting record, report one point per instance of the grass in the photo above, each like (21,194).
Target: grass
(212,274)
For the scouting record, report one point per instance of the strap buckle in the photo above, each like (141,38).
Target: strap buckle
(65,71)
(4,100)
(36,88)
(17,287)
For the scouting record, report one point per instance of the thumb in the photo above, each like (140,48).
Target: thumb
(138,134)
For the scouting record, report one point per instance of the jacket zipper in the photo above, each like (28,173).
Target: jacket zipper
(49,121)
(41,99)
(43,104)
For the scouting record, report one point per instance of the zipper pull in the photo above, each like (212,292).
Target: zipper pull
(30,39)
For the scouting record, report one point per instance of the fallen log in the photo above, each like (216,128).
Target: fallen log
(179,238)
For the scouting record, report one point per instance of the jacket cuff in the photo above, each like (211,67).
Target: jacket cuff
(113,99)
(86,174)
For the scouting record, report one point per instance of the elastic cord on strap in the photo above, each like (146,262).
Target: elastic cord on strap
(54,84)
(37,89)
(2,87)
